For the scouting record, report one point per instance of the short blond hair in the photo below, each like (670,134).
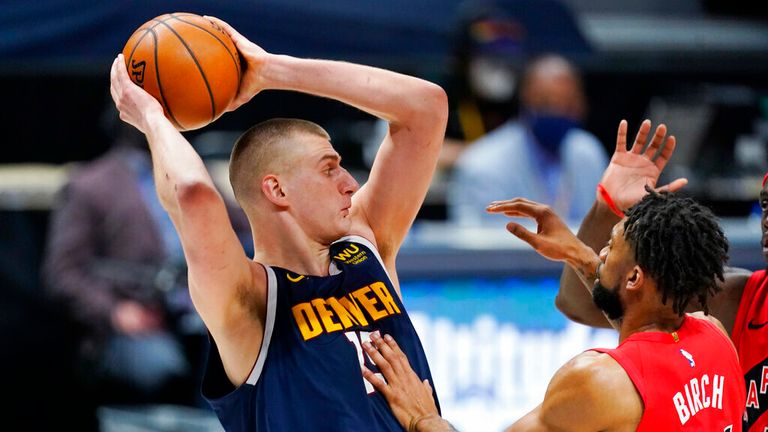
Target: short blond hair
(264,149)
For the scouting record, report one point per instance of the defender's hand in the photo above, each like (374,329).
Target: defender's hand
(629,171)
(552,239)
(409,398)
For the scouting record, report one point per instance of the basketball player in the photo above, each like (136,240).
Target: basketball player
(741,303)
(287,327)
(670,372)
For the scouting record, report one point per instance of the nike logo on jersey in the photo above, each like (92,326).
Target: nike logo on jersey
(688,357)
(752,326)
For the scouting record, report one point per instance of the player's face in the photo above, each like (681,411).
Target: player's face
(764,219)
(615,257)
(321,191)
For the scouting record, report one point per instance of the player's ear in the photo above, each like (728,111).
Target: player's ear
(635,278)
(273,190)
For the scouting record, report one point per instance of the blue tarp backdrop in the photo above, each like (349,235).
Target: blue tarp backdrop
(83,31)
(411,33)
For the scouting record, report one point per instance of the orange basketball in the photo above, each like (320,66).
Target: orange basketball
(186,62)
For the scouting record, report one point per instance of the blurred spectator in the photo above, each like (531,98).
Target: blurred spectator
(493,40)
(542,154)
(113,257)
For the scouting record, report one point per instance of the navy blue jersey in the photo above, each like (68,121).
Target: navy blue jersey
(307,376)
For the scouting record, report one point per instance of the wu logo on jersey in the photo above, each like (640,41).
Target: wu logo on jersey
(688,357)
(351,255)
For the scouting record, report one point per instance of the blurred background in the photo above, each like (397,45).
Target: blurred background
(483,302)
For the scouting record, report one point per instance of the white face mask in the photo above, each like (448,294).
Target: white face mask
(492,79)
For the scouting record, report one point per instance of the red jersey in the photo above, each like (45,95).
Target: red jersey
(689,380)
(750,335)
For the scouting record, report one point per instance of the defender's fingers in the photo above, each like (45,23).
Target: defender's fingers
(517,207)
(666,153)
(380,361)
(523,234)
(394,359)
(427,386)
(621,137)
(673,186)
(390,341)
(379,384)
(642,136)
(511,200)
(656,141)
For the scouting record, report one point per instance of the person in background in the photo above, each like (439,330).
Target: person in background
(492,41)
(115,261)
(543,153)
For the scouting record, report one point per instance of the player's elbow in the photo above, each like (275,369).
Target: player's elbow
(436,103)
(428,116)
(193,193)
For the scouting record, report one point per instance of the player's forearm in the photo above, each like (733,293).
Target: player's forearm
(176,165)
(397,98)
(574,298)
(583,261)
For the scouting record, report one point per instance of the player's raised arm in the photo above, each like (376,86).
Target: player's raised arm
(417,113)
(623,184)
(216,260)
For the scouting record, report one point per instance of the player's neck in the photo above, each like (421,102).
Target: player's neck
(286,245)
(659,320)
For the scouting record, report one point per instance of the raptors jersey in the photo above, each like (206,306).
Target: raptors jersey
(750,335)
(689,380)
(307,376)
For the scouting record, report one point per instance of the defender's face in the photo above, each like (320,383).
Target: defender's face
(320,191)
(616,258)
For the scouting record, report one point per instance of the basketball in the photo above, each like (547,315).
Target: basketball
(186,62)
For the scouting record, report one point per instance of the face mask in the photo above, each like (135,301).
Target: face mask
(492,79)
(549,129)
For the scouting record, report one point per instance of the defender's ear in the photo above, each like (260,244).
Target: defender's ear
(636,278)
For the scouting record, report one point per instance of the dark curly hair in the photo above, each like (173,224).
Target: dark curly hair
(680,244)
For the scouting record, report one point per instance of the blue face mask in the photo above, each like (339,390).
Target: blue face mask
(550,129)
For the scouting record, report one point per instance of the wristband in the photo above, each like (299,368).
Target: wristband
(609,201)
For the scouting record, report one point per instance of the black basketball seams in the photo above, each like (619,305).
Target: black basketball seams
(157,21)
(157,71)
(234,59)
(197,64)
(159,83)
(138,42)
